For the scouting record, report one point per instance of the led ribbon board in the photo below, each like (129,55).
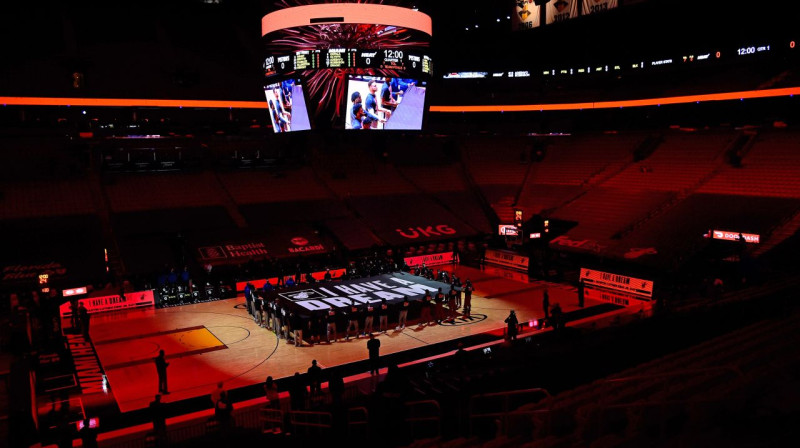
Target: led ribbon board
(112,303)
(616,282)
(507,259)
(429,260)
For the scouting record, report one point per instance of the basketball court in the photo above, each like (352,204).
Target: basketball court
(218,341)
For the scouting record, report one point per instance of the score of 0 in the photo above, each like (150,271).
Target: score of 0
(282,60)
(367,58)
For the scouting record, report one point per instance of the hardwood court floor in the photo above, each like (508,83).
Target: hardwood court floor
(217,341)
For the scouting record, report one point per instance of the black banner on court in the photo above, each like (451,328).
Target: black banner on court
(392,287)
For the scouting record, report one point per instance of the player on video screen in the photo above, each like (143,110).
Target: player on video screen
(388,95)
(282,103)
(286,96)
(361,118)
(398,87)
(281,121)
(371,104)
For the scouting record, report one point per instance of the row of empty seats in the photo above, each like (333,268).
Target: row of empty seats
(254,187)
(576,160)
(436,178)
(669,398)
(770,168)
(675,400)
(589,180)
(603,212)
(44,198)
(496,160)
(140,192)
(380,181)
(678,163)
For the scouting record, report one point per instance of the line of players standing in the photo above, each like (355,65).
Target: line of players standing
(455,284)
(358,319)
(268,312)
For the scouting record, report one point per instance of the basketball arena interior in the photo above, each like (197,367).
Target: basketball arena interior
(434,223)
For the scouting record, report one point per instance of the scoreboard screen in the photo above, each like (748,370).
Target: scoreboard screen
(339,58)
(287,106)
(408,61)
(384,103)
(305,60)
(326,44)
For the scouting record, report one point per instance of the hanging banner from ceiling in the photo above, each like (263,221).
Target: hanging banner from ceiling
(593,6)
(526,15)
(560,10)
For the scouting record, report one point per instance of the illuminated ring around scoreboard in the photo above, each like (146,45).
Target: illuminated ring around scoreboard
(346,13)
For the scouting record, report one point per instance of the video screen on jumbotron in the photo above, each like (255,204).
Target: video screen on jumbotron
(327,44)
(287,106)
(384,103)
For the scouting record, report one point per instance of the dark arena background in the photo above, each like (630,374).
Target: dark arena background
(399,223)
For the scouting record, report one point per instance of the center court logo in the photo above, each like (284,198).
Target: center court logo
(459,321)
